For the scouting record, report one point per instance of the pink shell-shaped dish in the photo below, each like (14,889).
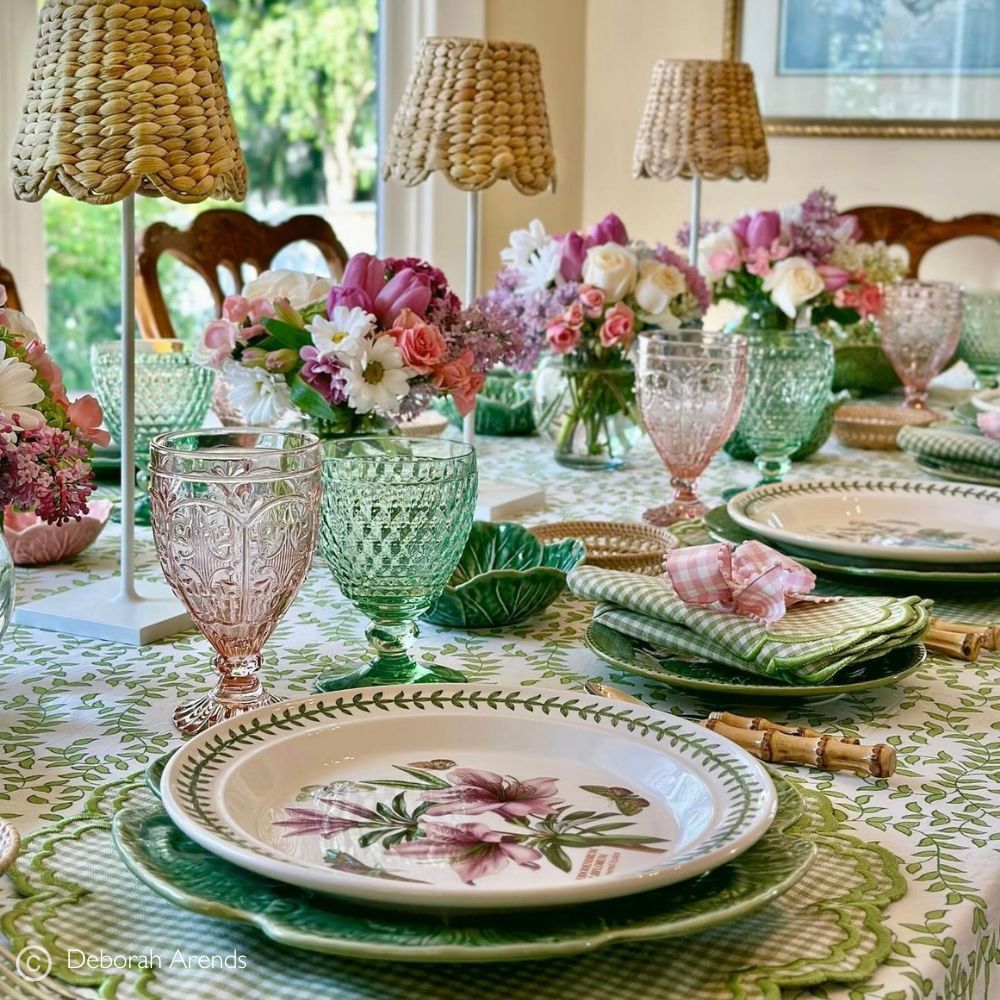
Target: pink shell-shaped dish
(32,542)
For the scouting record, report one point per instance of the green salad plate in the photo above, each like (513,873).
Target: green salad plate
(637,657)
(505,576)
(182,872)
(724,529)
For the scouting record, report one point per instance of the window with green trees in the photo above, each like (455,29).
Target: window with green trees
(301,77)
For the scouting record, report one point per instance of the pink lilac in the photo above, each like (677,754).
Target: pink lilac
(472,849)
(692,276)
(46,471)
(323,375)
(814,234)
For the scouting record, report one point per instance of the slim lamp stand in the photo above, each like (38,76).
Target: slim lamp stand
(695,219)
(112,609)
(471,288)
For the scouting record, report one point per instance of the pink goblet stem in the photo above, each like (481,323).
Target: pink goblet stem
(685,505)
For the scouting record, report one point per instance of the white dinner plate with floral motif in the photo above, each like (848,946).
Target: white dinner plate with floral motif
(899,520)
(457,797)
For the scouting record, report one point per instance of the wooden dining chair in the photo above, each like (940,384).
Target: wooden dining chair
(7,280)
(920,233)
(221,239)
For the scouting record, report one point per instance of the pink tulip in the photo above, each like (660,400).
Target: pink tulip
(763,229)
(85,414)
(739,228)
(834,278)
(351,297)
(610,229)
(574,250)
(365,272)
(405,290)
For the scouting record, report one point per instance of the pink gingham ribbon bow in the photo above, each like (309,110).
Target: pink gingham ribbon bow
(748,579)
(989,424)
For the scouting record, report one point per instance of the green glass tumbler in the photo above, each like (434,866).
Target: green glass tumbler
(979,346)
(397,513)
(789,377)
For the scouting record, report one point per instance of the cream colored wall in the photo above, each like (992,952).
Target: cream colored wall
(595,108)
(557,28)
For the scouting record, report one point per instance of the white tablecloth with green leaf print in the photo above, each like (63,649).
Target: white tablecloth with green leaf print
(77,713)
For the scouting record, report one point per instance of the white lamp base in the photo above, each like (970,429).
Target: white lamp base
(502,501)
(94,612)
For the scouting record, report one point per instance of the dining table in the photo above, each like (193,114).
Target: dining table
(81,720)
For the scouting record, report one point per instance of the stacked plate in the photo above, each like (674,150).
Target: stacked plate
(886,529)
(429,824)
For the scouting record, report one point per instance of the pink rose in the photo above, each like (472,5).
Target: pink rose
(86,416)
(236,309)
(421,344)
(562,338)
(458,378)
(39,359)
(618,326)
(573,316)
(834,278)
(592,300)
(870,304)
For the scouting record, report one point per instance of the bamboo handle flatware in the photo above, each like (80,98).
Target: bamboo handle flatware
(775,746)
(961,641)
(778,744)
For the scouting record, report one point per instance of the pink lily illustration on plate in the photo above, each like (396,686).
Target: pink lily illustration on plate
(540,824)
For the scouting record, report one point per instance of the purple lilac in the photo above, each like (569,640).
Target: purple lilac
(683,236)
(813,236)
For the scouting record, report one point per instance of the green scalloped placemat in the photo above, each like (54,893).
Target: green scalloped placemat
(79,895)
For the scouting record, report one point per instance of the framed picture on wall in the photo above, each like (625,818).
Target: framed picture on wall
(890,68)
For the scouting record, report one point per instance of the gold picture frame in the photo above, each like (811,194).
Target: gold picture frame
(853,128)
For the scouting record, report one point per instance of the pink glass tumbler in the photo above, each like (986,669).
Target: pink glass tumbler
(235,518)
(691,387)
(920,327)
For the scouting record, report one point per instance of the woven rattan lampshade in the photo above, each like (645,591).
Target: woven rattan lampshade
(127,97)
(701,118)
(474,110)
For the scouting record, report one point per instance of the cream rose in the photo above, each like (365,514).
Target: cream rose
(658,285)
(718,252)
(300,289)
(792,282)
(612,268)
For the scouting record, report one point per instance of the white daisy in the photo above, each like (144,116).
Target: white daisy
(343,334)
(377,378)
(263,398)
(524,243)
(18,390)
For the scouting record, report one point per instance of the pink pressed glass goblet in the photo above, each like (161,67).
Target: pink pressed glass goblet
(920,327)
(691,386)
(235,517)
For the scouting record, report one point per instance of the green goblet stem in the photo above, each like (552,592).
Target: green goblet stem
(772,468)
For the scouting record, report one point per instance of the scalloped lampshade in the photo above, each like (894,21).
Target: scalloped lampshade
(701,119)
(475,111)
(127,97)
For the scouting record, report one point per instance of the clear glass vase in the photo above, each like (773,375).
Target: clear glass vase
(588,412)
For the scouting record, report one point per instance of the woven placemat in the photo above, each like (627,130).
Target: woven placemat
(78,894)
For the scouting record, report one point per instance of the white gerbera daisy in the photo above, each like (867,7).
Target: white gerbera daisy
(524,243)
(377,379)
(18,390)
(263,397)
(344,334)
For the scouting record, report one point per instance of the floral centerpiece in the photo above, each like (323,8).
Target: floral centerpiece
(46,441)
(805,265)
(581,298)
(355,356)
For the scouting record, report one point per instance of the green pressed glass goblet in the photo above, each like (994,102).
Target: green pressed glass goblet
(397,513)
(171,394)
(789,377)
(979,346)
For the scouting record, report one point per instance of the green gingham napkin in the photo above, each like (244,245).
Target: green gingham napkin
(808,646)
(952,444)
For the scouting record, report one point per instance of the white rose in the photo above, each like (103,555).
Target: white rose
(658,285)
(300,289)
(721,239)
(612,268)
(792,282)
